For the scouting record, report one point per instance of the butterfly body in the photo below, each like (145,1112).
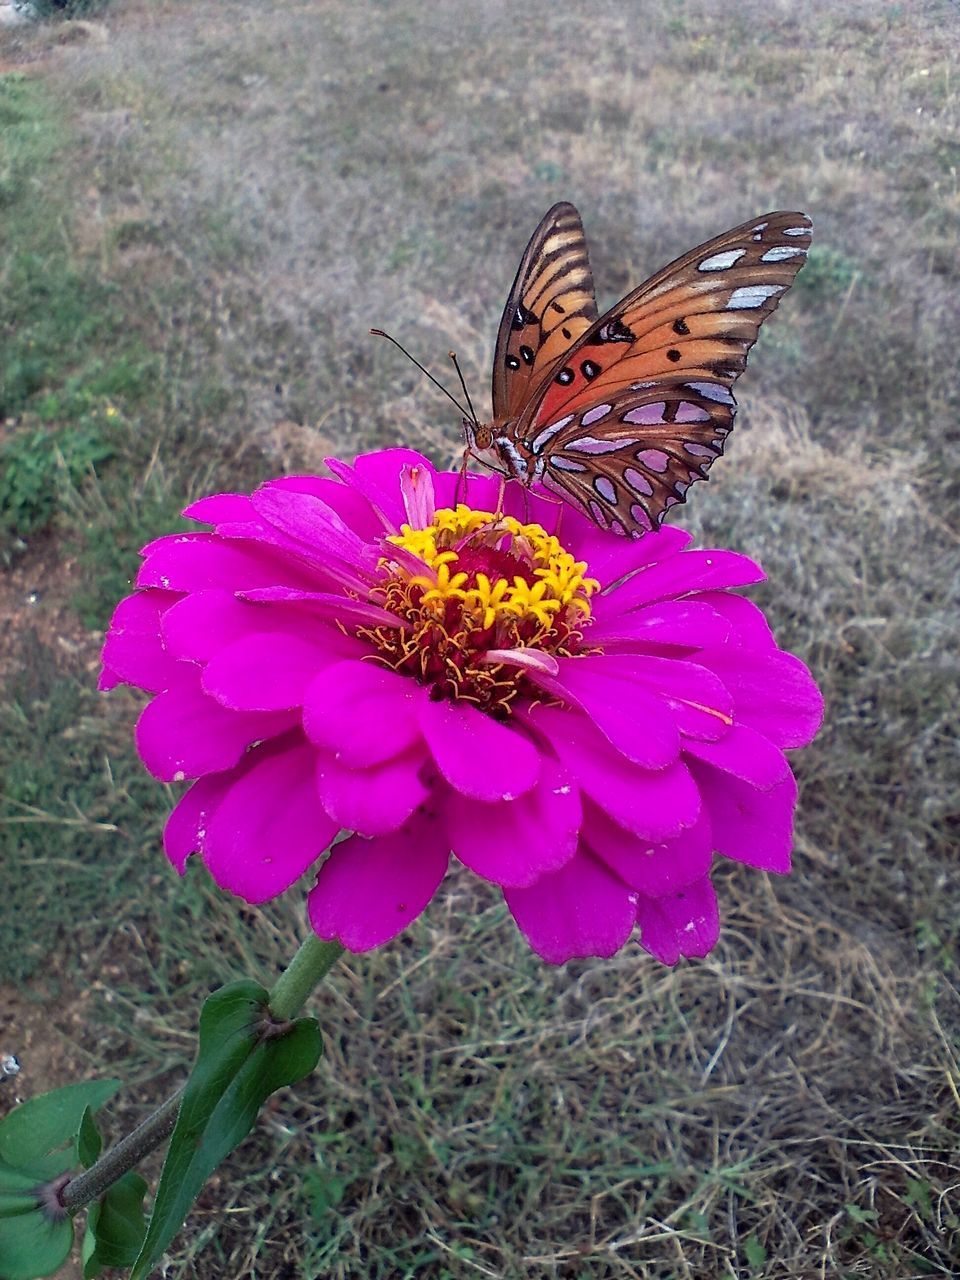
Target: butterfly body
(619,414)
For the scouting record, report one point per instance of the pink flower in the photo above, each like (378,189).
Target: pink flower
(582,720)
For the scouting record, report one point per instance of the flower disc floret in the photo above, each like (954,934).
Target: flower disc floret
(475,586)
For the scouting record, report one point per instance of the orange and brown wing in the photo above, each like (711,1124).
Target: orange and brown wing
(694,320)
(551,304)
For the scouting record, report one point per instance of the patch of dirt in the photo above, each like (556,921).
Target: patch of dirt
(44,1035)
(34,609)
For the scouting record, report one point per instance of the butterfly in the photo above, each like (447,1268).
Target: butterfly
(619,414)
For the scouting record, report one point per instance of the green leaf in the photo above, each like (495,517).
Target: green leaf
(17,1190)
(89,1142)
(32,1245)
(754,1252)
(235,1072)
(41,1135)
(115,1226)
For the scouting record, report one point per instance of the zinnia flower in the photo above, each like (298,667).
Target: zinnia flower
(582,720)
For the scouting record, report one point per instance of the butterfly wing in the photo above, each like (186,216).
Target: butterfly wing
(641,404)
(550,305)
(624,462)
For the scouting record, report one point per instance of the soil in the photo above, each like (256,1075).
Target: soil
(33,609)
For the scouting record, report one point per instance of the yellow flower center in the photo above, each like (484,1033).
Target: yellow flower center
(481,585)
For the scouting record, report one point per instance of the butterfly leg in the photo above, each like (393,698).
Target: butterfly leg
(544,497)
(503,486)
(460,492)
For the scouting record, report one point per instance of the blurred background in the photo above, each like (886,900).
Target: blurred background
(205,206)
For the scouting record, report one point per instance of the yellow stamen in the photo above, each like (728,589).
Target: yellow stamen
(489,582)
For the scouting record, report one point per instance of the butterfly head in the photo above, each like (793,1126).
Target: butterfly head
(478,437)
(494,445)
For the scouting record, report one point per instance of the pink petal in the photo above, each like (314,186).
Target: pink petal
(268,671)
(363,713)
(656,804)
(653,869)
(182,733)
(369,890)
(133,652)
(317,529)
(610,559)
(270,827)
(747,619)
(685,924)
(746,754)
(580,910)
(634,719)
(350,505)
(514,842)
(751,826)
(207,621)
(678,575)
(196,561)
(377,477)
(417,495)
(688,624)
(525,659)
(221,508)
(478,756)
(700,705)
(329,605)
(773,691)
(186,828)
(372,801)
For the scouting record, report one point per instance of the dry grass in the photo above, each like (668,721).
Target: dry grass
(266,181)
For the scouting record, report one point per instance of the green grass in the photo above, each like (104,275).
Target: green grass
(203,215)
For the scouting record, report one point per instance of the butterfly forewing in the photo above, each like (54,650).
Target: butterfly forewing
(696,318)
(551,304)
(639,406)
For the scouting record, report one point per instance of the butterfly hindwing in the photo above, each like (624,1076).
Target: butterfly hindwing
(626,461)
(551,304)
(695,320)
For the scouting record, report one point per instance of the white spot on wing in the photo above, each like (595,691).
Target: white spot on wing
(712,391)
(646,414)
(565,464)
(640,516)
(637,481)
(796,231)
(541,438)
(752,295)
(720,261)
(595,414)
(781,252)
(653,459)
(687,412)
(591,444)
(605,488)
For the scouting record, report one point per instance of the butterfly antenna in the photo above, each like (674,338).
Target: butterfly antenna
(463,386)
(379,333)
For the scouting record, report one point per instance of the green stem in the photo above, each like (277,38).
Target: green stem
(311,964)
(308,967)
